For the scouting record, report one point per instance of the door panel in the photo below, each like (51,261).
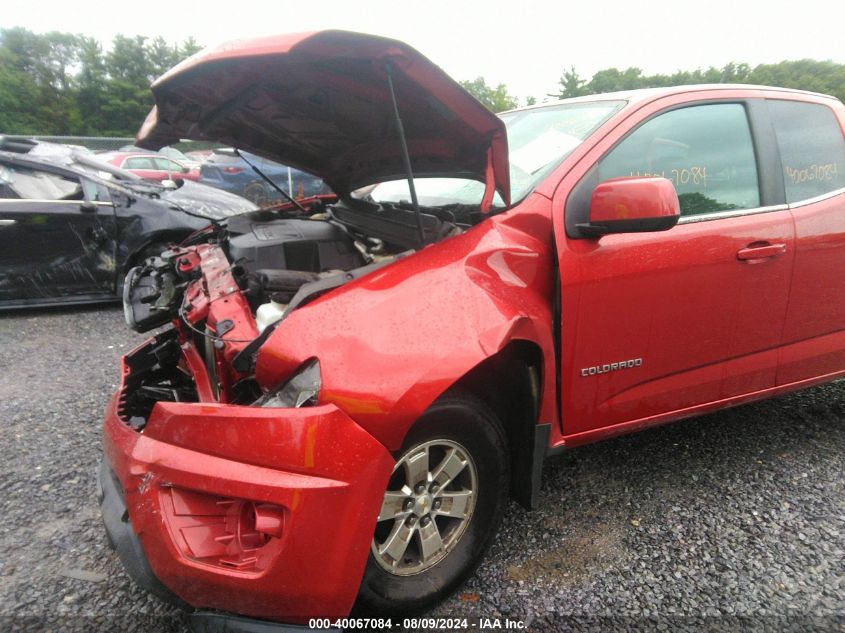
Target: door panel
(812,149)
(814,333)
(700,324)
(53,249)
(656,324)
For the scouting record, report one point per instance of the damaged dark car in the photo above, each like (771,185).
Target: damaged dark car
(71,227)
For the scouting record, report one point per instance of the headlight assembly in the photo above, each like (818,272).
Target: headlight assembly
(300,390)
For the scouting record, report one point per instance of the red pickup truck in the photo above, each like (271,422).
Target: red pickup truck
(351,388)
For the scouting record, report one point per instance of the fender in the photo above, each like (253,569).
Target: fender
(142,222)
(393,341)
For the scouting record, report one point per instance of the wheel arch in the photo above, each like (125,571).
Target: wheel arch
(470,313)
(516,402)
(159,237)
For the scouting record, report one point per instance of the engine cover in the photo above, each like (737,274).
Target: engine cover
(292,244)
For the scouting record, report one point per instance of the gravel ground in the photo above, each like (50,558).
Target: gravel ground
(734,521)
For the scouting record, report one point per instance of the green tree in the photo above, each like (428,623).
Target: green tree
(496,99)
(189,47)
(46,60)
(571,85)
(91,85)
(805,74)
(61,83)
(612,79)
(129,60)
(162,56)
(18,93)
(130,70)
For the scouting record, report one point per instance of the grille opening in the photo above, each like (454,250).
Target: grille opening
(154,375)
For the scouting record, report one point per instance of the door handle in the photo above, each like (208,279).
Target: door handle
(759,251)
(7,222)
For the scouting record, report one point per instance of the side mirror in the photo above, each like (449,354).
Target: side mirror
(632,205)
(186,170)
(87,206)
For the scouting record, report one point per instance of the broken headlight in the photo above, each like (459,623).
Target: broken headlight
(300,390)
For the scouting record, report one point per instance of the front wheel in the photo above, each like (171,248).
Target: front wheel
(441,509)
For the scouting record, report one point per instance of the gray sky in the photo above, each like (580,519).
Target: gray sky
(522,43)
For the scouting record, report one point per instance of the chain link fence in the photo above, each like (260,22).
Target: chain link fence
(115,143)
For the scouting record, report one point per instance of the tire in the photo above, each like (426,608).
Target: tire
(403,575)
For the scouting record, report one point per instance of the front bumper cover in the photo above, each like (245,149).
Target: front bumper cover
(123,539)
(319,466)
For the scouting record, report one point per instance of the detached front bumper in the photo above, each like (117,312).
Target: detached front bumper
(263,512)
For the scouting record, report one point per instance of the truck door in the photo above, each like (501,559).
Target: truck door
(655,324)
(812,150)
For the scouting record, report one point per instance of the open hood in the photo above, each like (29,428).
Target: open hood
(320,102)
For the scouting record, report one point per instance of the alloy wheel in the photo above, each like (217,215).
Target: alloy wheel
(427,507)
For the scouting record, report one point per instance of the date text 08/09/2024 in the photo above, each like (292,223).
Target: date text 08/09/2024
(480,624)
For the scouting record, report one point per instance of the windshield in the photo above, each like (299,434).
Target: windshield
(538,139)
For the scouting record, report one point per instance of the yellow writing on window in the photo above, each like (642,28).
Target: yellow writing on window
(695,174)
(818,171)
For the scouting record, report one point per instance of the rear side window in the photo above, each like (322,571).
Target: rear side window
(705,150)
(812,148)
(139,162)
(165,164)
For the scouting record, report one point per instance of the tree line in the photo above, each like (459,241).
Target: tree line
(826,77)
(804,74)
(67,84)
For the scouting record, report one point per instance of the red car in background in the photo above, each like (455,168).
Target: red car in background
(344,401)
(151,166)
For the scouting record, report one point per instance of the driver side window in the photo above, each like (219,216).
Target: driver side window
(705,150)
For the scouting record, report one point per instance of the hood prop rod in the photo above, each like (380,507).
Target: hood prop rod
(270,182)
(406,157)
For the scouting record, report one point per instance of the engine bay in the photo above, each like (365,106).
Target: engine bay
(226,288)
(274,254)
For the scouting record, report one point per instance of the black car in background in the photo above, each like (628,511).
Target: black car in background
(71,227)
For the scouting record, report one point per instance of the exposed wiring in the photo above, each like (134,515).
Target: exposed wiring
(206,334)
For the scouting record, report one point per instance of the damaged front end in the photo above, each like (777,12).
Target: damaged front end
(213,492)
(257,496)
